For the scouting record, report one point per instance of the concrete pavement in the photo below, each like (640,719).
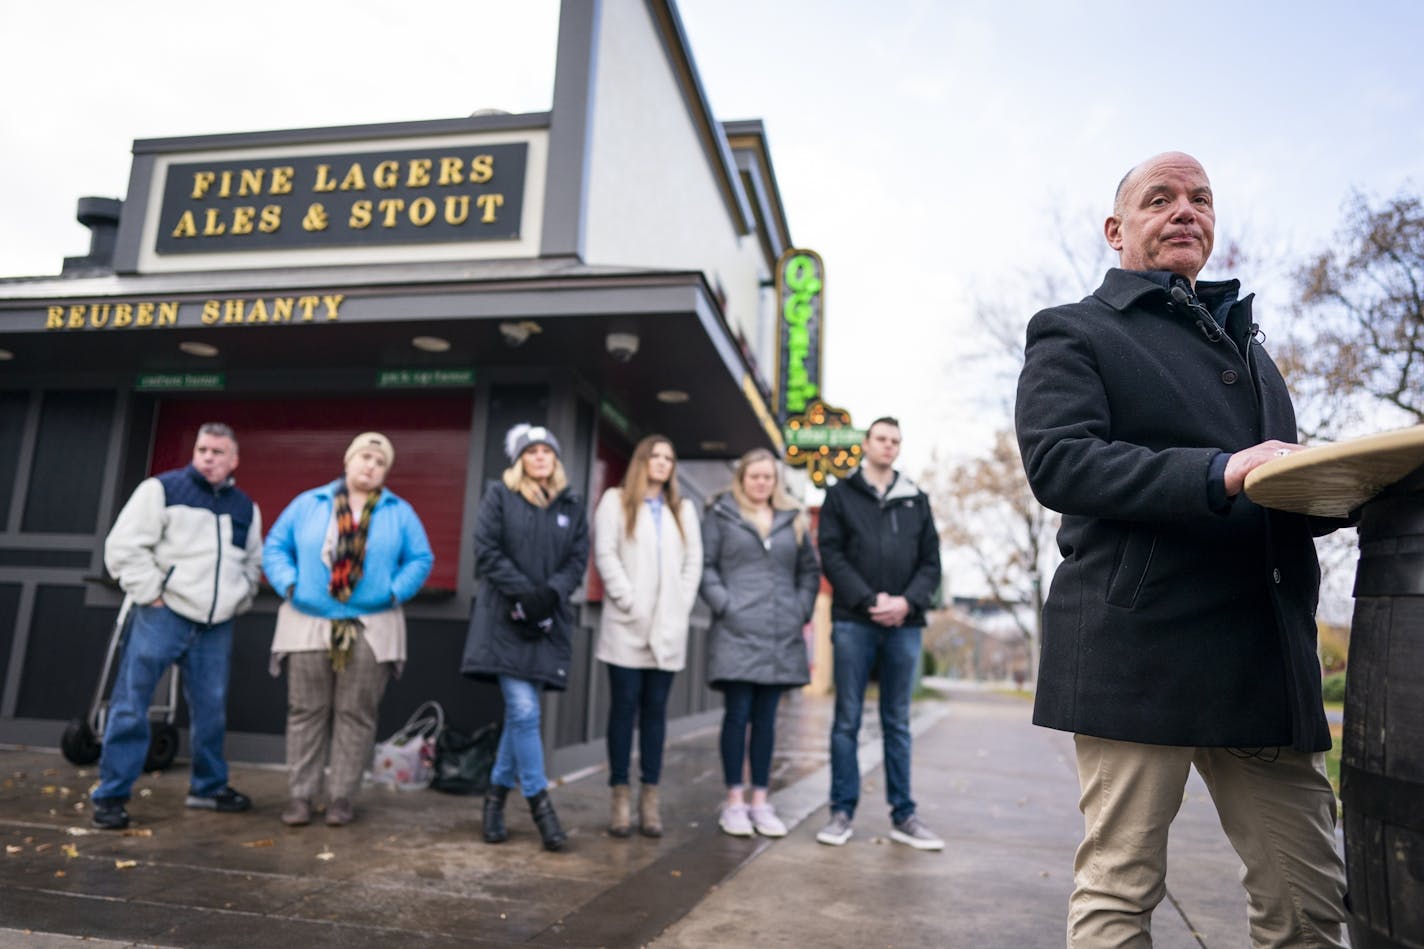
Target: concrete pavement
(413,870)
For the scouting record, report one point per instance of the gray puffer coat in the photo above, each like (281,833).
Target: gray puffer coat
(762,592)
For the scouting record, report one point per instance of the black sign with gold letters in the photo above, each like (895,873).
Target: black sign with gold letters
(413,196)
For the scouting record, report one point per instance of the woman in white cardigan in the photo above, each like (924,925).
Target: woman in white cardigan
(648,548)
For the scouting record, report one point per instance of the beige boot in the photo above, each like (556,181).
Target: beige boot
(620,821)
(649,821)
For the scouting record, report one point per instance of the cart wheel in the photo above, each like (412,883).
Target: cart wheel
(78,743)
(162,747)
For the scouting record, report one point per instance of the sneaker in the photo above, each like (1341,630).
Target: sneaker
(109,814)
(735,821)
(765,821)
(226,801)
(912,831)
(837,831)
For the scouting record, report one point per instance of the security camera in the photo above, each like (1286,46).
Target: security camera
(516,334)
(622,346)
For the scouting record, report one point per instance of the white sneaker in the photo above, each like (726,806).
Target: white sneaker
(765,821)
(912,831)
(735,821)
(837,831)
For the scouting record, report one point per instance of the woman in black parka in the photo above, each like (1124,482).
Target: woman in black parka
(760,577)
(531,549)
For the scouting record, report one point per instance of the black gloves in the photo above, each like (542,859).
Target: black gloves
(535,609)
(540,604)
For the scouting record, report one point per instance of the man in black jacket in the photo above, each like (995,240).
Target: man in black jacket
(1179,630)
(880,551)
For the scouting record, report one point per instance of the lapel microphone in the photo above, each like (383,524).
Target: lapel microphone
(1188,304)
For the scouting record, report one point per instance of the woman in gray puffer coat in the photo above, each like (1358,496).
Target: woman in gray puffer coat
(760,578)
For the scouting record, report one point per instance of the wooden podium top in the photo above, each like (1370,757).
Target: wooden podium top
(1332,480)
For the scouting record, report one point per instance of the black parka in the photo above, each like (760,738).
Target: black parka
(520,546)
(1177,617)
(871,545)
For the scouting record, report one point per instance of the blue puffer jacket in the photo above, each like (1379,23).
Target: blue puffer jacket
(398,557)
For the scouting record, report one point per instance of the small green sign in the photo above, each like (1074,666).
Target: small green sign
(425,378)
(818,435)
(617,418)
(168,381)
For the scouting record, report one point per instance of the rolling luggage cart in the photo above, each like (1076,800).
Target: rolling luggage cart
(83,737)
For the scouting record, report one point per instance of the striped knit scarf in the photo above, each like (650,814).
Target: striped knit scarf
(346,565)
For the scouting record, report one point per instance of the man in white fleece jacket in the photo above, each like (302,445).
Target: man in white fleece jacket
(187,549)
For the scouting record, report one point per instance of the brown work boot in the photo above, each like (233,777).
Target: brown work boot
(340,812)
(620,820)
(297,813)
(650,822)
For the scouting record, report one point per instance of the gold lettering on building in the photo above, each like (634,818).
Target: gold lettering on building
(112,315)
(418,175)
(435,192)
(422,211)
(360,215)
(457,209)
(355,179)
(488,203)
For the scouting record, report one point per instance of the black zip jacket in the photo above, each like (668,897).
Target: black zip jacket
(871,545)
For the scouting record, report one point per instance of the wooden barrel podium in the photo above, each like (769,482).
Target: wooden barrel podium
(1382,762)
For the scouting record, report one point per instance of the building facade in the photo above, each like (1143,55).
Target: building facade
(603,267)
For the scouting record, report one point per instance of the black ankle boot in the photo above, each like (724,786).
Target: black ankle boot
(542,810)
(495,831)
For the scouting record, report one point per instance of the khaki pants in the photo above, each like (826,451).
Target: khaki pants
(336,711)
(1277,809)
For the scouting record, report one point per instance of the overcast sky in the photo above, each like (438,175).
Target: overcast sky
(933,152)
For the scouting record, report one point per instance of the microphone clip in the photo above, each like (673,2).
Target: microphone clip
(1185,302)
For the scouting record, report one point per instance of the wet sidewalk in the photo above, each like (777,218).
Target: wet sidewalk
(413,870)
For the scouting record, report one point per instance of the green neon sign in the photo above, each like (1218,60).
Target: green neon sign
(800,278)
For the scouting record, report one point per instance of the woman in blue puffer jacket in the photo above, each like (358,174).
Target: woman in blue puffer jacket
(344,557)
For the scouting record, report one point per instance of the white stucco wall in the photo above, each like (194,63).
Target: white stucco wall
(652,198)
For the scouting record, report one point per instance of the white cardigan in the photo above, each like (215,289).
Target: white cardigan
(647,599)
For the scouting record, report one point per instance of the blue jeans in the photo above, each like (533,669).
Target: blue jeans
(159,637)
(748,702)
(857,648)
(641,695)
(520,756)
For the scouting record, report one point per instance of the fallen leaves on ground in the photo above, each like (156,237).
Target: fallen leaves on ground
(125,864)
(138,831)
(264,842)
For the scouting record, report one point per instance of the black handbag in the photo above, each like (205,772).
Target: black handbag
(463,762)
